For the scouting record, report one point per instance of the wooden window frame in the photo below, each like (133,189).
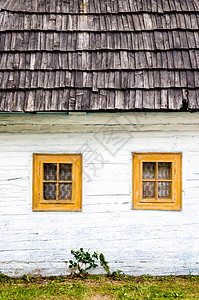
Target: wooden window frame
(171,203)
(39,204)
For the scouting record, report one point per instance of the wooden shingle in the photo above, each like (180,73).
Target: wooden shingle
(69,55)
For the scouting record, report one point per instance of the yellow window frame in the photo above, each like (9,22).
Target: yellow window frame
(39,204)
(174,202)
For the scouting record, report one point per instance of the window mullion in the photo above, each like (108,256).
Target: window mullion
(156,181)
(57,187)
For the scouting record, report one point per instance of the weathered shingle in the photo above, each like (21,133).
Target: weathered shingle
(89,41)
(142,79)
(98,23)
(98,55)
(100,60)
(98,7)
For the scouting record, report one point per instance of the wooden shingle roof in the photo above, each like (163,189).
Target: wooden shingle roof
(63,55)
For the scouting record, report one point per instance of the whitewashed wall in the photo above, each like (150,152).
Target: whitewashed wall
(136,242)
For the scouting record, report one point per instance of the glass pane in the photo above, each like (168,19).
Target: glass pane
(65,172)
(164,170)
(164,189)
(65,191)
(50,171)
(148,189)
(50,191)
(148,170)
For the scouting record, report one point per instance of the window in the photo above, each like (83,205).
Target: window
(57,182)
(157,181)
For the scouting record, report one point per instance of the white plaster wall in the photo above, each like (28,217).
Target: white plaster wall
(134,241)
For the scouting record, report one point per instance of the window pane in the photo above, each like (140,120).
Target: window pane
(50,191)
(148,189)
(164,189)
(148,170)
(164,170)
(50,171)
(65,171)
(65,191)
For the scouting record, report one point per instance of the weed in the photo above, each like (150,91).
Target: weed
(26,278)
(4,278)
(84,261)
(104,264)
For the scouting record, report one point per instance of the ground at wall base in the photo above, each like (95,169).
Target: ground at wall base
(100,287)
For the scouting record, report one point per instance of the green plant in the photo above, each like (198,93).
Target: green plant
(84,261)
(106,267)
(104,264)
(116,274)
(26,278)
(3,277)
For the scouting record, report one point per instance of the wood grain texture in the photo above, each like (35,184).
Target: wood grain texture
(76,55)
(90,7)
(137,242)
